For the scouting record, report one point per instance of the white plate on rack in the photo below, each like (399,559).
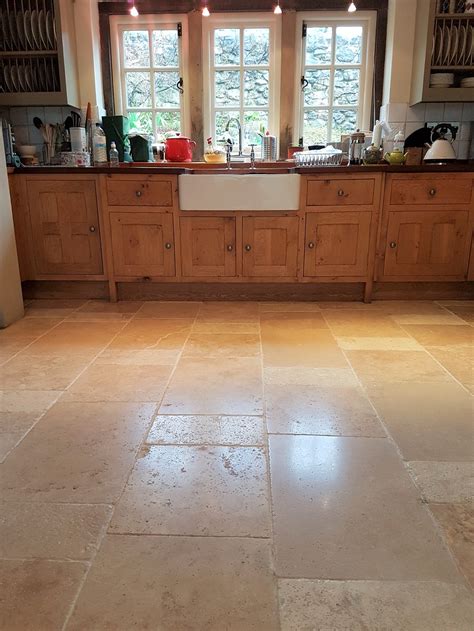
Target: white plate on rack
(439,45)
(14,78)
(29,78)
(42,30)
(6,75)
(35,30)
(49,30)
(462,45)
(20,28)
(454,45)
(28,32)
(446,45)
(41,78)
(12,28)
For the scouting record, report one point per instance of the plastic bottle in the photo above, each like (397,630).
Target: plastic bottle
(99,146)
(113,155)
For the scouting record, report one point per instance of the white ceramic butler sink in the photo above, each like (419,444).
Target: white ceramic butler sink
(229,191)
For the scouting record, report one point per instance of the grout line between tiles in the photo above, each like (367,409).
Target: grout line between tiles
(181,535)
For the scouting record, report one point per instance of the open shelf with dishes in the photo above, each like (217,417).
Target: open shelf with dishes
(444,55)
(37,53)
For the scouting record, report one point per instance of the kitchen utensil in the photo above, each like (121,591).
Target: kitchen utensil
(37,122)
(76,119)
(356,147)
(441,150)
(179,149)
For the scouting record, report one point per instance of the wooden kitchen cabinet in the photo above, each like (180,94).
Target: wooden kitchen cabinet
(65,227)
(142,244)
(337,244)
(425,243)
(270,246)
(208,246)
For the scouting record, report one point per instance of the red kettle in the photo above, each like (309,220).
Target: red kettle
(179,149)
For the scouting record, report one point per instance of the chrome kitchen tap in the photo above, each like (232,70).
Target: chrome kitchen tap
(236,120)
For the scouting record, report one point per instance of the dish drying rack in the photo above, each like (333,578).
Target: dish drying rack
(329,156)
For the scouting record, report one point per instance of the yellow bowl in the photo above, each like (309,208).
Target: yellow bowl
(214,158)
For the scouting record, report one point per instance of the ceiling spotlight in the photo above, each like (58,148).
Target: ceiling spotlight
(277,9)
(134,12)
(352,8)
(205,12)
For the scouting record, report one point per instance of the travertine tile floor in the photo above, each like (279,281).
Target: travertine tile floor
(237,466)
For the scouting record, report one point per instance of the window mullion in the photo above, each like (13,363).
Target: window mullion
(332,76)
(241,61)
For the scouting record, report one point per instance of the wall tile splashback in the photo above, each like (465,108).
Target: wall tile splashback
(406,118)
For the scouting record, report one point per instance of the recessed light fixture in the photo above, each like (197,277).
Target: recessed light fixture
(134,12)
(352,8)
(277,9)
(205,12)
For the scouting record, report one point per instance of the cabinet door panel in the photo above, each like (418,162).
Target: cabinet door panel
(142,244)
(426,243)
(270,246)
(208,246)
(337,244)
(65,225)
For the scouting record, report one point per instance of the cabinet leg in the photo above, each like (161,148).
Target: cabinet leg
(368,291)
(112,291)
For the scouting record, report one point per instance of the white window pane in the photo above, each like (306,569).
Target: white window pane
(256,88)
(136,49)
(346,86)
(317,90)
(315,127)
(140,121)
(318,45)
(254,122)
(138,89)
(167,121)
(348,44)
(343,122)
(257,46)
(227,47)
(227,88)
(166,92)
(221,120)
(165,48)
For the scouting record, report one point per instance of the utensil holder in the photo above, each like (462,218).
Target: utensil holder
(78,138)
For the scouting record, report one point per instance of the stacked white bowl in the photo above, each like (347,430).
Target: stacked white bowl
(441,79)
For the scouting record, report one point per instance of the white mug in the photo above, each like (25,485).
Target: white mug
(78,138)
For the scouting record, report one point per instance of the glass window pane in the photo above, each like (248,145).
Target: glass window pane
(348,44)
(165,48)
(256,87)
(167,121)
(222,118)
(140,121)
(343,122)
(227,88)
(166,92)
(315,127)
(257,46)
(317,90)
(138,89)
(136,50)
(227,47)
(346,86)
(318,45)
(254,122)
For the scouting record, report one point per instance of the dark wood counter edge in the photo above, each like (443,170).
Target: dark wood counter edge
(458,167)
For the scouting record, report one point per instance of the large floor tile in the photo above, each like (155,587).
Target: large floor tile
(324,411)
(361,323)
(465,312)
(84,338)
(158,357)
(291,320)
(37,595)
(312,348)
(152,334)
(178,583)
(98,310)
(457,523)
(226,327)
(55,308)
(78,452)
(27,329)
(18,413)
(459,361)
(321,377)
(196,491)
(9,348)
(228,312)
(409,307)
(442,335)
(31,530)
(345,508)
(226,386)
(378,344)
(288,306)
(444,319)
(450,482)
(396,366)
(115,382)
(169,310)
(374,605)
(41,372)
(222,345)
(427,421)
(207,430)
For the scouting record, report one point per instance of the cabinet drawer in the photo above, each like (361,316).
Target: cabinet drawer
(342,192)
(140,193)
(431,190)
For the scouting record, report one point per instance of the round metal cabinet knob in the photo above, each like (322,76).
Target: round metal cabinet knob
(138,193)
(310,245)
(91,228)
(230,248)
(432,192)
(393,244)
(168,246)
(248,248)
(340,192)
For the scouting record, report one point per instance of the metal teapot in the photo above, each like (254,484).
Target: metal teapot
(441,149)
